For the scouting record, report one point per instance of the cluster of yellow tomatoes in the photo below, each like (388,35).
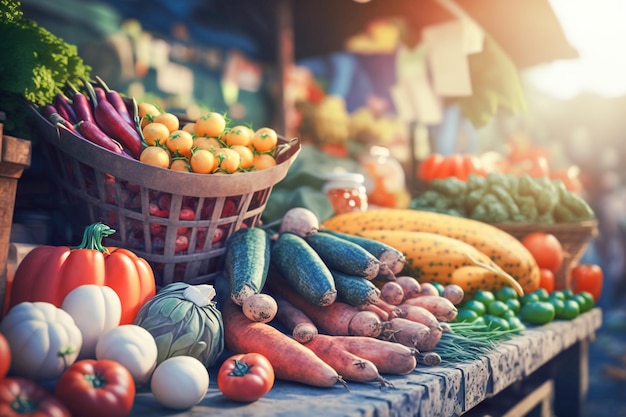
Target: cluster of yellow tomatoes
(206,145)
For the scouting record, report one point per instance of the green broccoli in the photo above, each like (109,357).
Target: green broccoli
(476,182)
(577,207)
(490,210)
(527,186)
(527,208)
(473,198)
(548,197)
(450,186)
(505,198)
(425,200)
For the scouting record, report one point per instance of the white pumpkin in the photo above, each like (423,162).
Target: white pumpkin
(43,338)
(180,382)
(96,309)
(132,346)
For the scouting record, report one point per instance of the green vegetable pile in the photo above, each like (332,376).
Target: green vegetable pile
(504,198)
(36,65)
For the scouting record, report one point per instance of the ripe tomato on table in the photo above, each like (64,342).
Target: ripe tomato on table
(22,397)
(546,249)
(588,277)
(97,388)
(245,377)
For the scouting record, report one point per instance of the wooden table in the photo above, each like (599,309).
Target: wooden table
(545,367)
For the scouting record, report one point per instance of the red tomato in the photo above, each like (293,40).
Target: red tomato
(451,166)
(97,388)
(427,168)
(588,277)
(546,279)
(22,397)
(245,377)
(546,249)
(5,356)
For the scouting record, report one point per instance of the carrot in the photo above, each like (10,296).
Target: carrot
(441,307)
(291,360)
(384,316)
(365,323)
(410,286)
(350,366)
(420,315)
(389,357)
(391,310)
(333,319)
(392,292)
(299,324)
(412,334)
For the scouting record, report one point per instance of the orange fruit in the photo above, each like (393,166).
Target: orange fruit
(180,142)
(147,112)
(205,142)
(155,155)
(238,135)
(168,119)
(265,139)
(155,132)
(202,161)
(180,164)
(211,124)
(229,160)
(263,161)
(247,156)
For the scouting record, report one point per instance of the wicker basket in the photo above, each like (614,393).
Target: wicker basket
(177,221)
(574,238)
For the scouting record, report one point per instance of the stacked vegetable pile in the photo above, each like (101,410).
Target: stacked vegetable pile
(504,198)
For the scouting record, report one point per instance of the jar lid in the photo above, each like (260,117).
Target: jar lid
(350,177)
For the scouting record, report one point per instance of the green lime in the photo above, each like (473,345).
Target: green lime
(542,293)
(515,323)
(528,298)
(567,293)
(557,294)
(439,287)
(496,323)
(558,305)
(589,301)
(480,321)
(570,310)
(497,308)
(465,315)
(484,296)
(476,306)
(506,293)
(537,312)
(514,305)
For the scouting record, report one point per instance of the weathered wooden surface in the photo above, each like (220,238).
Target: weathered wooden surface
(427,392)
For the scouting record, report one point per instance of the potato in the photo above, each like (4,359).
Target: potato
(260,308)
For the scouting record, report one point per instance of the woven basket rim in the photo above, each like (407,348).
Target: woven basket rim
(569,226)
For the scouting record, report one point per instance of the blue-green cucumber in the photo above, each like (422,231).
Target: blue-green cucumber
(354,290)
(344,256)
(246,262)
(303,268)
(392,259)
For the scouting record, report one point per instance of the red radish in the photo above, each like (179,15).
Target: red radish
(454,293)
(429,289)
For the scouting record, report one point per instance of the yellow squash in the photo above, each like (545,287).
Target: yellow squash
(434,257)
(501,247)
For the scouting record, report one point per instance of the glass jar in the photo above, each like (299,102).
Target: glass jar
(346,192)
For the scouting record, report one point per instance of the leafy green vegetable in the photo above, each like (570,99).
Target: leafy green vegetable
(37,65)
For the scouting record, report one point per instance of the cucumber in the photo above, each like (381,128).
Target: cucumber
(354,290)
(303,268)
(344,256)
(392,259)
(246,262)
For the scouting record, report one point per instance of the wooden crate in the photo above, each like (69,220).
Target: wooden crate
(15,155)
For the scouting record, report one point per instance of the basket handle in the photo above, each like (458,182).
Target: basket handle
(284,147)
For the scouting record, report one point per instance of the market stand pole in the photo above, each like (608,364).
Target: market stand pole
(285,48)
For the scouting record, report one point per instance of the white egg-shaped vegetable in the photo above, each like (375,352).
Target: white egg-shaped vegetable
(180,382)
(43,339)
(96,309)
(132,346)
(301,221)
